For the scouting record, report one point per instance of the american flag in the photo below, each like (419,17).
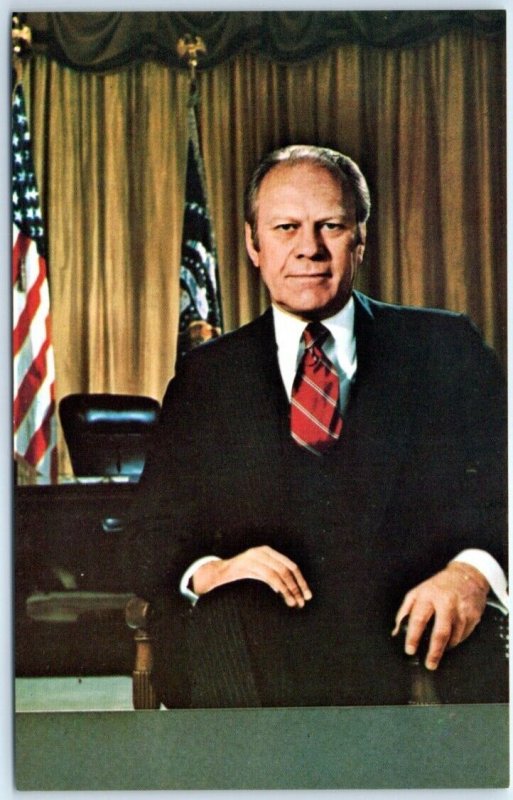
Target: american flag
(34,371)
(200,302)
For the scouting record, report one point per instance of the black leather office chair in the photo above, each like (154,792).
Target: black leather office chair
(108,434)
(483,663)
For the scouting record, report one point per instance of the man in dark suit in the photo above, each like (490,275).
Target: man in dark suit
(281,537)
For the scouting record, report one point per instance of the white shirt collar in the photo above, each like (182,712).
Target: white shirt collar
(341,350)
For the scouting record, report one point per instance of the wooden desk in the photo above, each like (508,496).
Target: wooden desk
(62,533)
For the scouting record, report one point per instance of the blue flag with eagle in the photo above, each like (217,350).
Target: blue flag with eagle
(200,301)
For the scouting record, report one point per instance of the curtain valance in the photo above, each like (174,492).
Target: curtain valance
(104,41)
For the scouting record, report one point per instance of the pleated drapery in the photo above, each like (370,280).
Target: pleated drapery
(105,40)
(426,123)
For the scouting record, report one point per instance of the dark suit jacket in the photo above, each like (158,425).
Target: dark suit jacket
(417,476)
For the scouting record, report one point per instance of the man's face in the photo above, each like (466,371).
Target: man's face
(307,235)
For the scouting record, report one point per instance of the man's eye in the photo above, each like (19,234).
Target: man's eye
(286,226)
(333,226)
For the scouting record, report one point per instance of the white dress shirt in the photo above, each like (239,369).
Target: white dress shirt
(340,348)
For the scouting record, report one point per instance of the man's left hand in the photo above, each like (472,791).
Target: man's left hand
(455,597)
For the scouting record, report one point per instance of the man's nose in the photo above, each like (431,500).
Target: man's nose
(309,242)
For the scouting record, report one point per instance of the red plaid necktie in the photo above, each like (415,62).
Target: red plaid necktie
(315,421)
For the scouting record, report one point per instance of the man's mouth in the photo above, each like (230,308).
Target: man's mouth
(312,277)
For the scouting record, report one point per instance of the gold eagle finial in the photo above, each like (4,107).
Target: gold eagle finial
(21,39)
(189,47)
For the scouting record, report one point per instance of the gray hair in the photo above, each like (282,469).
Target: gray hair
(345,171)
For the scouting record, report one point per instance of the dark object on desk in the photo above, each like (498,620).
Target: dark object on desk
(108,434)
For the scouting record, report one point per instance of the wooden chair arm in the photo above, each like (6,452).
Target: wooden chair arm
(137,615)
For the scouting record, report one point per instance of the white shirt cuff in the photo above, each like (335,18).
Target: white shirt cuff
(492,571)
(189,572)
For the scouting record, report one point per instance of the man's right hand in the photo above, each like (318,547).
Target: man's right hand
(260,564)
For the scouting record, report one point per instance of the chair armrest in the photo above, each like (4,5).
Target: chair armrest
(137,613)
(67,605)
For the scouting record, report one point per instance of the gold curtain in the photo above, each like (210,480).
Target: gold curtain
(426,123)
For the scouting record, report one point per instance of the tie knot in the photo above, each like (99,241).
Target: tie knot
(315,334)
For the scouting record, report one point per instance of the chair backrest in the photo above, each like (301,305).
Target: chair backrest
(108,434)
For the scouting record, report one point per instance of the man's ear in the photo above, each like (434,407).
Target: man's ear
(361,239)
(360,250)
(250,247)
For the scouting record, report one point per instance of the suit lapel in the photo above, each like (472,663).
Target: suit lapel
(379,414)
(262,391)
(363,466)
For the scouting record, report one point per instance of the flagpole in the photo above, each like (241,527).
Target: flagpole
(189,47)
(200,301)
(21,40)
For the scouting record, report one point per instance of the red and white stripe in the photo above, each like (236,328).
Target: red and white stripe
(33,360)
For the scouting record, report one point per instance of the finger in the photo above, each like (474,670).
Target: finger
(440,637)
(403,612)
(289,588)
(419,618)
(290,592)
(268,566)
(292,575)
(458,633)
(288,574)
(279,578)
(469,626)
